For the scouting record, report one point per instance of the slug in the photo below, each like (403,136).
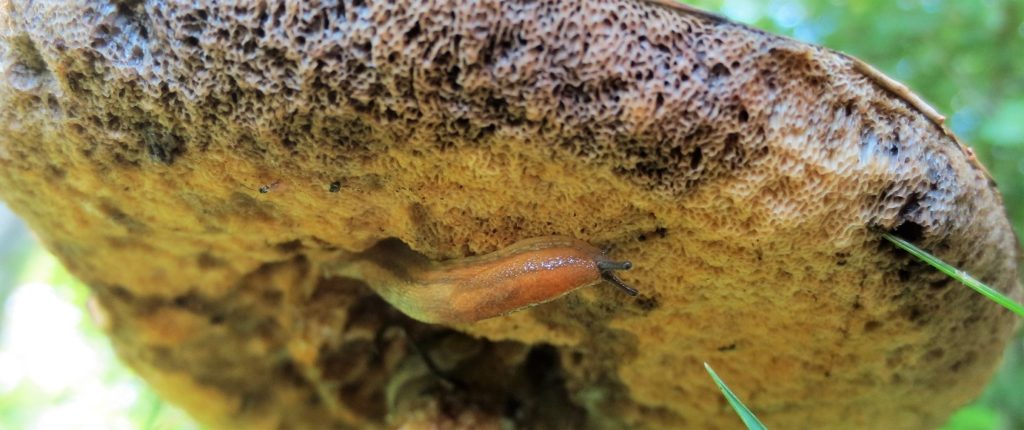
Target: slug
(465,290)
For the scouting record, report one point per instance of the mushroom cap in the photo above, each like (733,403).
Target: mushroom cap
(203,166)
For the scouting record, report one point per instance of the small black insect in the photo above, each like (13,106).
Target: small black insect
(335,186)
(266,188)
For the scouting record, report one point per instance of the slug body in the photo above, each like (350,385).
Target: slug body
(465,290)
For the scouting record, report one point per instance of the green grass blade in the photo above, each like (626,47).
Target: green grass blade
(957,274)
(154,413)
(748,417)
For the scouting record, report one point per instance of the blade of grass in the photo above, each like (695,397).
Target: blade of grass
(957,274)
(748,417)
(155,408)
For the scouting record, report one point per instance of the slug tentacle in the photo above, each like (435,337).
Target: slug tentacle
(610,277)
(607,266)
(525,274)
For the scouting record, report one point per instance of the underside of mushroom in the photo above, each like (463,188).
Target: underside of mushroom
(209,169)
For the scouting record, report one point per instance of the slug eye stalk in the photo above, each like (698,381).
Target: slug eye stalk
(607,269)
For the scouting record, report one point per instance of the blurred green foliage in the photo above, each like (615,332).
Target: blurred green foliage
(59,371)
(966,57)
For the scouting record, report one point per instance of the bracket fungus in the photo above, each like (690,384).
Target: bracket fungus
(209,170)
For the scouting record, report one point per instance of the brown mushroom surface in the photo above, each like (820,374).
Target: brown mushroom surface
(206,168)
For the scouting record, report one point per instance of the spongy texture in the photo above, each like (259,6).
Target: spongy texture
(203,165)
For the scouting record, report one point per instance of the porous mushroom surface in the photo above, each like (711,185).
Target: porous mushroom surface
(204,166)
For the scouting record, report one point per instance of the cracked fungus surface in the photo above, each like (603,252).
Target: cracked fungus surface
(747,177)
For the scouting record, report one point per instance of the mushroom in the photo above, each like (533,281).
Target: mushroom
(210,171)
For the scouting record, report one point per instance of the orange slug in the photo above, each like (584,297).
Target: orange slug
(527,273)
